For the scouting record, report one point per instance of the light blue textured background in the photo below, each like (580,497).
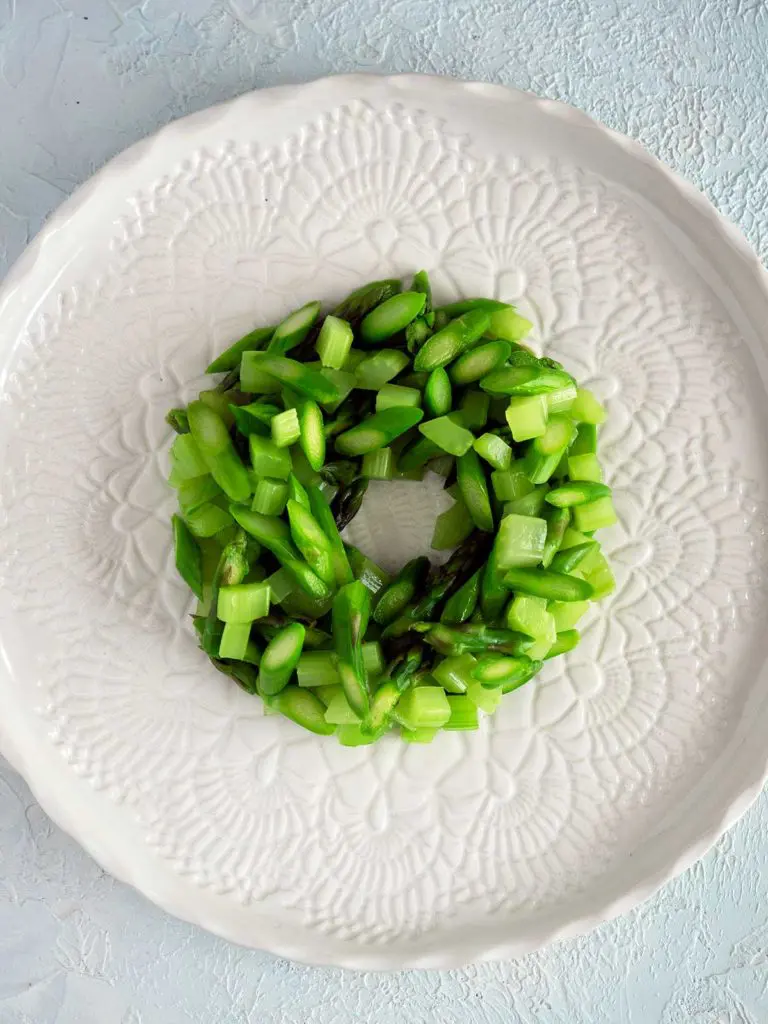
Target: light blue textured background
(82,79)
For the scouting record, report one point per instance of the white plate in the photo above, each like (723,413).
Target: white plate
(593,785)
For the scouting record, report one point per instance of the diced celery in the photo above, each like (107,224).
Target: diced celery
(487,698)
(586,408)
(446,434)
(281,584)
(520,541)
(585,467)
(317,668)
(567,613)
(243,602)
(269,460)
(197,491)
(564,642)
(511,483)
(379,465)
(601,578)
(463,715)
(540,648)
(373,658)
(186,460)
(595,515)
(423,707)
(455,674)
(418,735)
(529,505)
(586,440)
(270,497)
(391,396)
(544,453)
(234,640)
(508,325)
(339,712)
(207,520)
(285,428)
(527,417)
(353,736)
(495,451)
(328,692)
(253,379)
(334,342)
(529,615)
(562,399)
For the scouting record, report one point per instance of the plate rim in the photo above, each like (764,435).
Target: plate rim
(458,951)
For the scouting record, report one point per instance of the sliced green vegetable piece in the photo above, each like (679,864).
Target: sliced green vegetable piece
(334,342)
(595,515)
(509,325)
(309,383)
(585,467)
(361,301)
(311,434)
(243,602)
(376,370)
(280,658)
(586,408)
(214,444)
(321,510)
(270,497)
(460,606)
(391,316)
(400,592)
(379,465)
(189,558)
(557,523)
(520,541)
(285,428)
(578,492)
(463,715)
(234,640)
(452,527)
(445,345)
(553,586)
(423,707)
(230,358)
(564,642)
(392,396)
(437,393)
(303,708)
(269,460)
(495,451)
(293,330)
(351,610)
(474,490)
(479,361)
(474,409)
(447,435)
(527,417)
(377,431)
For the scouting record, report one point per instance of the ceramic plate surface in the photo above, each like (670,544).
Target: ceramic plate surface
(591,786)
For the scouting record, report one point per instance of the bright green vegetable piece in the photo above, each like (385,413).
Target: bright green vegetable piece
(544,453)
(531,504)
(474,490)
(479,361)
(391,316)
(527,417)
(416,333)
(452,527)
(280,658)
(243,602)
(495,451)
(309,538)
(567,613)
(268,460)
(497,669)
(561,400)
(207,520)
(586,440)
(447,435)
(455,674)
(474,409)
(362,300)
(586,408)
(585,467)
(189,558)
(379,465)
(490,306)
(197,491)
(186,459)
(445,345)
(303,708)
(311,434)
(462,604)
(595,515)
(520,541)
(334,342)
(486,698)
(423,707)
(218,402)
(395,598)
(564,642)
(327,693)
(351,610)
(392,396)
(528,614)
(317,668)
(421,283)
(321,510)
(553,586)
(309,383)
(230,358)
(178,420)
(293,330)
(570,559)
(234,640)
(376,370)
(509,325)
(578,492)
(270,497)
(511,483)
(438,395)
(557,523)
(463,715)
(418,735)
(285,428)
(600,578)
(377,431)
(384,701)
(339,712)
(281,584)
(298,492)
(215,446)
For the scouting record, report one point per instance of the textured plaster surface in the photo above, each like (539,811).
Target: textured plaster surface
(82,79)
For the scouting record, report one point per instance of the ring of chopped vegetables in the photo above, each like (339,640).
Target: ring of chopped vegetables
(274,461)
